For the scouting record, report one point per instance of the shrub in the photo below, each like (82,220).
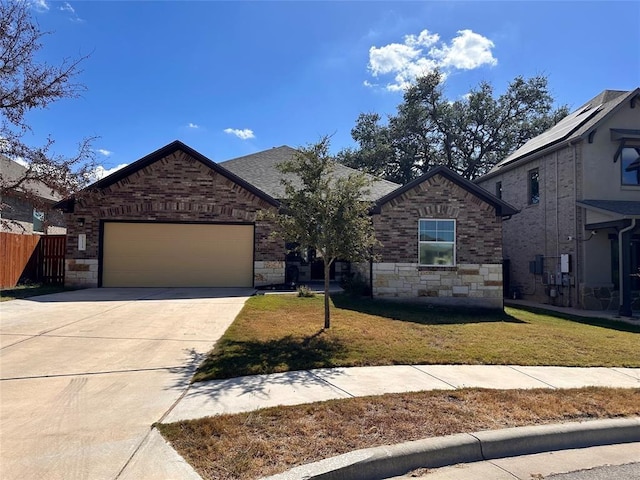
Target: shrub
(304,291)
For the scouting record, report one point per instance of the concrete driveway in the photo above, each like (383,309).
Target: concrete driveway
(84,374)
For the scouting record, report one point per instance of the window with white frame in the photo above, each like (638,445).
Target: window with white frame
(437,242)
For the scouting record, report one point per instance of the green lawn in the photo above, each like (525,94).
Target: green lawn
(276,333)
(26,291)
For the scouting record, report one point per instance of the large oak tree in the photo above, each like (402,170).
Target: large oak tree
(469,135)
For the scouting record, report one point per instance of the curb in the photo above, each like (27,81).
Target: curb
(394,460)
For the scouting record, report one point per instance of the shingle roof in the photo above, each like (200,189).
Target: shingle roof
(575,125)
(11,172)
(260,170)
(626,208)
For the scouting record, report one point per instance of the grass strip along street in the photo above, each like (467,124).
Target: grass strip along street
(264,442)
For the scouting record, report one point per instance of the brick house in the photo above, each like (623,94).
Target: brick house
(26,208)
(175,218)
(441,241)
(576,240)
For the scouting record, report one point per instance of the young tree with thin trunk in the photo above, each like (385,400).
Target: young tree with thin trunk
(323,211)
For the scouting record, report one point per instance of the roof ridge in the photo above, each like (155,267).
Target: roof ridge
(605,96)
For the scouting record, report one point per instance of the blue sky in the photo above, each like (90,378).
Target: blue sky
(233,78)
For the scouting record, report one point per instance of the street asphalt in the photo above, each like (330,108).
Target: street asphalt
(85,374)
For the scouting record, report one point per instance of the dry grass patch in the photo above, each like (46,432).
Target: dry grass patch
(276,333)
(269,441)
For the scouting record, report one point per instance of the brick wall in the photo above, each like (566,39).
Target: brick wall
(476,279)
(478,230)
(17,217)
(176,188)
(543,228)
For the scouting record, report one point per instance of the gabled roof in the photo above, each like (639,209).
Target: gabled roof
(260,169)
(503,209)
(573,127)
(158,155)
(11,172)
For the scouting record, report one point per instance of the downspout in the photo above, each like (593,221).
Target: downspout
(624,281)
(557,229)
(557,211)
(371,275)
(576,259)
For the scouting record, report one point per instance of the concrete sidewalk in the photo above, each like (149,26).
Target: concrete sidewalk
(249,393)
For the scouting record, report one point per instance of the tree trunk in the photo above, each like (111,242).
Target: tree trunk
(327,274)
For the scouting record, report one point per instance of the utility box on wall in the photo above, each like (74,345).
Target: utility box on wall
(565,263)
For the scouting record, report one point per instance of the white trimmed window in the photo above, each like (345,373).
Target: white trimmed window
(437,243)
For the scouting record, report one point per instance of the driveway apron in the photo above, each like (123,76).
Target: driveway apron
(84,374)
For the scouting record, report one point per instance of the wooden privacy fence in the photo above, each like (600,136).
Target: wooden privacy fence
(34,258)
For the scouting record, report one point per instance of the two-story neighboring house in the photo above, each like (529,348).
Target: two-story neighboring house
(576,240)
(25,206)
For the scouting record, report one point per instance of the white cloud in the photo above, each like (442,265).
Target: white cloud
(104,152)
(40,5)
(467,51)
(410,59)
(424,39)
(243,134)
(193,125)
(66,7)
(101,172)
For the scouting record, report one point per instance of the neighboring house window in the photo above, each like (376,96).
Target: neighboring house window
(437,242)
(630,166)
(38,221)
(534,187)
(499,190)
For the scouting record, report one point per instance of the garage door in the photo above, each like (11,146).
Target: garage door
(177,255)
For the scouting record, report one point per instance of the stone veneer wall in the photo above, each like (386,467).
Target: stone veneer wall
(81,272)
(464,284)
(268,273)
(176,188)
